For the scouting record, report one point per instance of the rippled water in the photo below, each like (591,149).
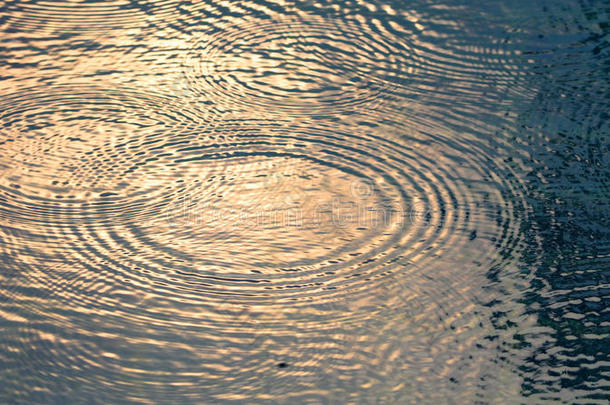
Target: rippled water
(304,202)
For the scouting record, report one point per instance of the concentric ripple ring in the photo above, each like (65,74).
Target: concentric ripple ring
(296,66)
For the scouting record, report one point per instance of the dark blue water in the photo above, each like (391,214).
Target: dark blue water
(304,202)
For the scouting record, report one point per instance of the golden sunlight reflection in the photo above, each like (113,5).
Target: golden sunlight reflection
(279,201)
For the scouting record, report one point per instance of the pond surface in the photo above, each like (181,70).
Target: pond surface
(304,202)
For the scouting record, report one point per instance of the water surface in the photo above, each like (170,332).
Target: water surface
(304,202)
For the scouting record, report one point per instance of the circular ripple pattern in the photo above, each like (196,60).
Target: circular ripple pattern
(214,224)
(68,153)
(325,64)
(211,244)
(301,65)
